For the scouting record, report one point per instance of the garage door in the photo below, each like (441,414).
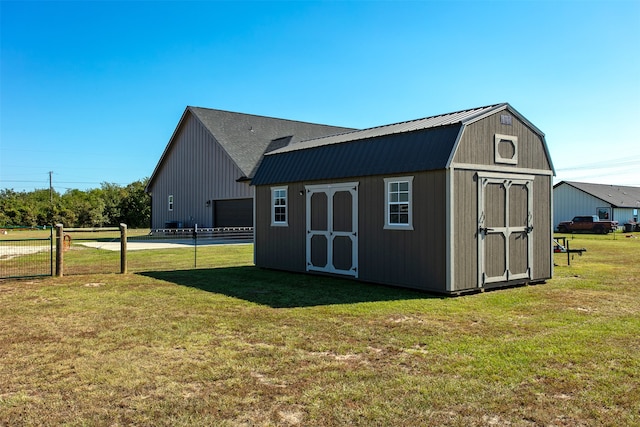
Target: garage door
(233,213)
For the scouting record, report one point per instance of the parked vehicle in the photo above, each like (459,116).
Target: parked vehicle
(588,223)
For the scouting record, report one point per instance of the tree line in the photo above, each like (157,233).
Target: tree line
(109,205)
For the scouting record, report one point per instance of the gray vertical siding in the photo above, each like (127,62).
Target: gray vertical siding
(412,258)
(568,202)
(466,231)
(624,215)
(542,228)
(477,143)
(418,258)
(465,244)
(476,147)
(280,247)
(196,169)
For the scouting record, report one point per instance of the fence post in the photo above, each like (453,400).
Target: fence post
(59,250)
(123,248)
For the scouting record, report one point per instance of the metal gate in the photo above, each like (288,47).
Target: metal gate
(26,252)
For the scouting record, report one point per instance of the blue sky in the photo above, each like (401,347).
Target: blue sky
(93,90)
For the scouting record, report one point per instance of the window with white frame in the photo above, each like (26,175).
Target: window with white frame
(398,203)
(279,206)
(170,202)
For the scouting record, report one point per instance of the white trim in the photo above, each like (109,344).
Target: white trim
(501,169)
(506,231)
(488,113)
(409,224)
(497,140)
(456,144)
(551,223)
(450,228)
(339,185)
(330,190)
(512,176)
(275,223)
(521,118)
(502,107)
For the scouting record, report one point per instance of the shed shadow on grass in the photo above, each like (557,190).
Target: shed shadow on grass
(278,289)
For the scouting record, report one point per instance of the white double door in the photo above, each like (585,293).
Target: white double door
(332,228)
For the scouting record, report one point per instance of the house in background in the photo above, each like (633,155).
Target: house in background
(451,203)
(203,174)
(611,202)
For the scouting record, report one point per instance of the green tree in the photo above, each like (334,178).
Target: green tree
(136,205)
(111,204)
(112,196)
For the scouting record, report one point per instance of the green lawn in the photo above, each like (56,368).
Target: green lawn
(233,345)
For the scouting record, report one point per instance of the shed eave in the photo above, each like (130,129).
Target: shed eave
(523,119)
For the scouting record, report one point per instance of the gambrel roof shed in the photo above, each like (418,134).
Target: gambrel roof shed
(449,203)
(416,145)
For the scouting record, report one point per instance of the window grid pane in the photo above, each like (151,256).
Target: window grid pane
(280,206)
(399,202)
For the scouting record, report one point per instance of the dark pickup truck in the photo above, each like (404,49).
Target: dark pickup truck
(589,223)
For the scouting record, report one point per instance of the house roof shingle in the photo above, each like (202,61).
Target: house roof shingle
(246,137)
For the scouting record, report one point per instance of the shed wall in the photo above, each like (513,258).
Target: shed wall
(476,152)
(412,258)
(196,169)
(465,220)
(477,143)
(465,243)
(542,228)
(281,247)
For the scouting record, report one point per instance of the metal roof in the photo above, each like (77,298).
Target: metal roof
(394,153)
(411,146)
(618,196)
(464,117)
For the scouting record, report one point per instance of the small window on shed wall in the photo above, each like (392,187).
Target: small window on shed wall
(170,202)
(398,201)
(279,206)
(506,149)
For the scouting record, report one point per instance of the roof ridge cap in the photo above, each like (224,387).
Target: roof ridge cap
(192,107)
(409,121)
